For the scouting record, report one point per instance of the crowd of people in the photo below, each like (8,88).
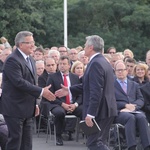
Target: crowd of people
(127,102)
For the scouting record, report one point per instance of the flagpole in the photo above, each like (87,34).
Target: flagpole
(65,24)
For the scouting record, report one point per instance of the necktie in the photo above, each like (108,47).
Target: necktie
(29,63)
(66,84)
(124,86)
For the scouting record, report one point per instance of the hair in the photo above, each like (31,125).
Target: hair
(64,47)
(39,49)
(108,57)
(79,48)
(80,53)
(20,37)
(131,53)
(40,62)
(49,58)
(147,53)
(141,65)
(53,51)
(130,60)
(75,64)
(97,42)
(3,38)
(65,57)
(110,49)
(117,62)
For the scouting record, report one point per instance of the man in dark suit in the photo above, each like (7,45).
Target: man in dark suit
(130,101)
(98,93)
(145,89)
(19,93)
(60,107)
(50,67)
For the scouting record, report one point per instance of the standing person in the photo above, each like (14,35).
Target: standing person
(18,101)
(98,93)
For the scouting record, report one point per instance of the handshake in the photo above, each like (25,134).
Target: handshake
(59,93)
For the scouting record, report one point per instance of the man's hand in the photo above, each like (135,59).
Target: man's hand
(62,92)
(66,107)
(125,110)
(88,121)
(48,94)
(37,111)
(72,107)
(131,107)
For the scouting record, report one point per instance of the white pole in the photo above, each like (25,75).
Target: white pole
(65,24)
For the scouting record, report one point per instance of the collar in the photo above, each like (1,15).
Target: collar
(23,54)
(93,56)
(125,81)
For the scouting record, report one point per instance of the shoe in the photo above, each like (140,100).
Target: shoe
(59,141)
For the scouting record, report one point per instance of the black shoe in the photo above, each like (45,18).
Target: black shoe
(59,141)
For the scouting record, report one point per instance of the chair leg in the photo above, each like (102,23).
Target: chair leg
(77,130)
(119,144)
(39,124)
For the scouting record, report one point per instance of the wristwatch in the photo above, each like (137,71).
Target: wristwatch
(76,104)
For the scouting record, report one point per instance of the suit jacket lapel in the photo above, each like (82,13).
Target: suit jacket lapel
(118,86)
(128,87)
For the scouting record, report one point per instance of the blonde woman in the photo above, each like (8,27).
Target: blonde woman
(140,73)
(78,68)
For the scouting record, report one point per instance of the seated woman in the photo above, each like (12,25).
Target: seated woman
(78,68)
(140,73)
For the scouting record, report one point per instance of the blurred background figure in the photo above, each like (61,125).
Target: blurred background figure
(55,55)
(148,58)
(54,48)
(39,54)
(140,74)
(84,59)
(130,64)
(78,68)
(128,52)
(73,55)
(46,51)
(50,67)
(108,57)
(2,47)
(63,51)
(79,48)
(5,42)
(114,58)
(5,53)
(148,73)
(111,50)
(39,67)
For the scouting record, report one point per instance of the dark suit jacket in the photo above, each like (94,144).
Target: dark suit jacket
(19,91)
(56,80)
(98,89)
(133,96)
(145,89)
(42,79)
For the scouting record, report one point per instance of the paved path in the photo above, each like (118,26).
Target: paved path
(39,143)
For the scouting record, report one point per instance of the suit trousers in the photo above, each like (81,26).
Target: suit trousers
(98,141)
(20,133)
(59,113)
(134,123)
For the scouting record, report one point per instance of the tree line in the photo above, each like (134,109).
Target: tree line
(122,23)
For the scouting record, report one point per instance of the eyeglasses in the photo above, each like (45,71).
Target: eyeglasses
(62,51)
(120,70)
(32,42)
(73,53)
(50,65)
